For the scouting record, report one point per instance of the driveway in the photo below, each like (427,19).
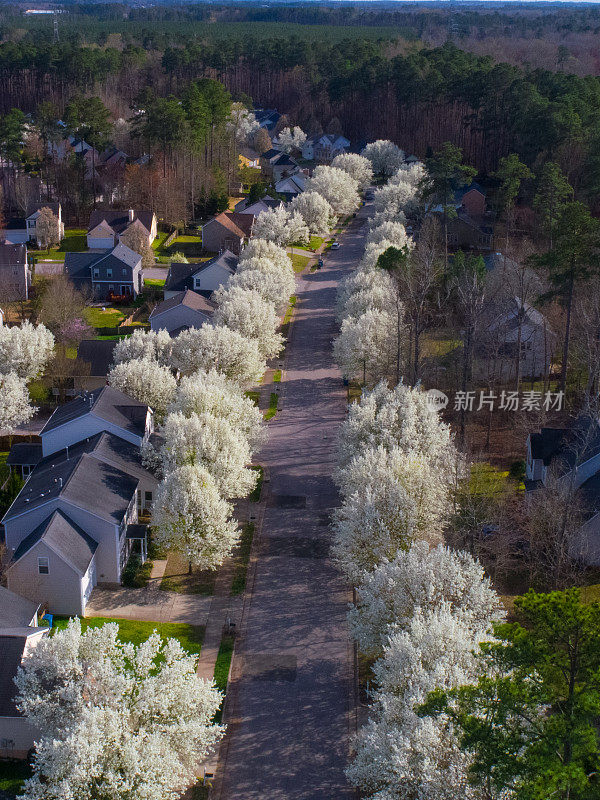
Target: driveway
(291,708)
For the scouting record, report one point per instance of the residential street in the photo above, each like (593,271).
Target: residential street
(291,709)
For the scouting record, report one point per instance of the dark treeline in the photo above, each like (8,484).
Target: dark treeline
(420,99)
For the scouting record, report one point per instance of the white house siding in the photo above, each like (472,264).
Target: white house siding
(211,278)
(60,589)
(78,430)
(100,243)
(587,546)
(87,584)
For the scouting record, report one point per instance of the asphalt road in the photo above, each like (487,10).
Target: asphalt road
(292,711)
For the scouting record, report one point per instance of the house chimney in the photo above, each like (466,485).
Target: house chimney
(131,215)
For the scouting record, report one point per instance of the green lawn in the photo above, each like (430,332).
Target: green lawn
(255,494)
(160,238)
(299,262)
(98,318)
(12,775)
(277,376)
(190,246)
(222,668)
(316,242)
(254,396)
(272,410)
(288,314)
(158,282)
(239,578)
(75,241)
(135,631)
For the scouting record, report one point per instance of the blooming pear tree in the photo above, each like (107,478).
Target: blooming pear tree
(385,157)
(396,199)
(389,232)
(248,313)
(358,167)
(291,139)
(15,408)
(366,346)
(220,348)
(264,249)
(212,443)
(337,187)
(398,754)
(190,517)
(390,499)
(156,345)
(280,226)
(421,577)
(243,123)
(25,349)
(147,381)
(274,287)
(213,393)
(114,719)
(365,289)
(316,212)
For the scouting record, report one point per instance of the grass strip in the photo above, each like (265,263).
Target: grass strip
(272,410)
(222,666)
(255,494)
(239,578)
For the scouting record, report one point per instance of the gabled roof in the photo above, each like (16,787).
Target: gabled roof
(181,276)
(238,224)
(274,152)
(284,160)
(79,265)
(106,403)
(83,480)
(189,299)
(24,453)
(119,220)
(296,182)
(101,231)
(34,208)
(518,312)
(98,353)
(70,542)
(12,648)
(11,254)
(15,611)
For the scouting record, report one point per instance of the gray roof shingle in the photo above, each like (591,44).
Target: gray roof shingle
(108,404)
(15,611)
(65,538)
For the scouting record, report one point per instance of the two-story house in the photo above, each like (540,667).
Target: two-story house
(15,276)
(324,148)
(180,312)
(107,227)
(227,231)
(24,229)
(204,278)
(115,272)
(74,522)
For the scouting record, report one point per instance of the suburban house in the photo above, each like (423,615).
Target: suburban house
(204,278)
(74,522)
(267,118)
(466,233)
(107,227)
(537,341)
(249,158)
(258,206)
(19,635)
(292,185)
(324,148)
(105,410)
(113,273)
(24,457)
(24,229)
(180,312)
(571,454)
(15,276)
(227,231)
(276,165)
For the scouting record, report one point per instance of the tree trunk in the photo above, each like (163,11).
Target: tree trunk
(565,360)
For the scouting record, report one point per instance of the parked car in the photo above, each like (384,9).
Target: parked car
(335,245)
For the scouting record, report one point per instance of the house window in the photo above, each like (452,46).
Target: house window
(124,270)
(109,272)
(43,566)
(96,273)
(111,288)
(148,498)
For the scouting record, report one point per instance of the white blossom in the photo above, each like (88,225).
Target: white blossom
(190,516)
(315,211)
(385,157)
(213,393)
(147,381)
(421,577)
(396,197)
(252,316)
(14,402)
(280,226)
(400,756)
(115,720)
(274,286)
(217,347)
(411,173)
(367,346)
(261,248)
(363,290)
(337,187)
(391,498)
(25,349)
(210,442)
(242,122)
(399,417)
(389,232)
(290,139)
(155,345)
(357,166)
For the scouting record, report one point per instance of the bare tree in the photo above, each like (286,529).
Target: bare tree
(137,240)
(62,310)
(586,335)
